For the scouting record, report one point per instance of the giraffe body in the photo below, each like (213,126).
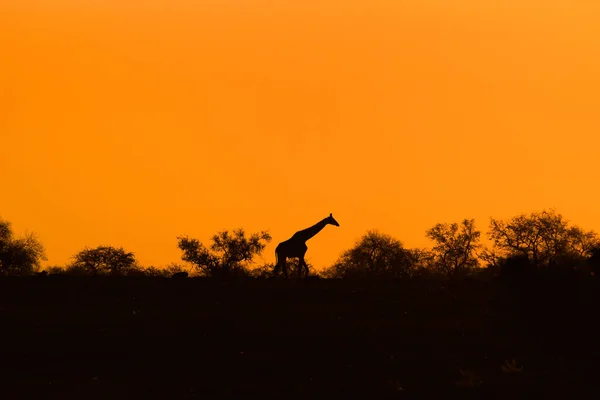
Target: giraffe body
(295,247)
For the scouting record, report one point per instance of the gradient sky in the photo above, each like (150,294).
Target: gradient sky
(129,122)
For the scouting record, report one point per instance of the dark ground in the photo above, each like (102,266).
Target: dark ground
(67,338)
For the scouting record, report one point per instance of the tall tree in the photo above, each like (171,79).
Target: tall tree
(374,255)
(455,247)
(229,254)
(104,260)
(19,256)
(543,237)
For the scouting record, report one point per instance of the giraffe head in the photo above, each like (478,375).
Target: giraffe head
(331,220)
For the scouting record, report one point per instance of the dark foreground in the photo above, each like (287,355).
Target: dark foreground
(65,338)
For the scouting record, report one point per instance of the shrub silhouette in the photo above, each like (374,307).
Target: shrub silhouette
(55,270)
(155,272)
(152,271)
(77,270)
(262,272)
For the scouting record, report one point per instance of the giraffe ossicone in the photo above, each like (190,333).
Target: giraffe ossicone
(295,247)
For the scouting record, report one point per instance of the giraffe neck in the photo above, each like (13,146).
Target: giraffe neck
(312,231)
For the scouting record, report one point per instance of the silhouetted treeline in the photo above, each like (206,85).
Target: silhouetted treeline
(522,247)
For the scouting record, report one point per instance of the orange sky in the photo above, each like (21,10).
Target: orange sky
(129,122)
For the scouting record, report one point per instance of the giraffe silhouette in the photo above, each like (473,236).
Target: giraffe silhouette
(295,247)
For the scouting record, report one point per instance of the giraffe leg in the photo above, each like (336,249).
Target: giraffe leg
(277,268)
(303,266)
(284,267)
(280,267)
(277,264)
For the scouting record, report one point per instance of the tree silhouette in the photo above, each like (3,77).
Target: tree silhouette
(229,254)
(423,263)
(374,255)
(545,238)
(516,268)
(19,256)
(103,260)
(594,261)
(455,247)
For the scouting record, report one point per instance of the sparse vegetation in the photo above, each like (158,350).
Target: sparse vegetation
(429,323)
(524,246)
